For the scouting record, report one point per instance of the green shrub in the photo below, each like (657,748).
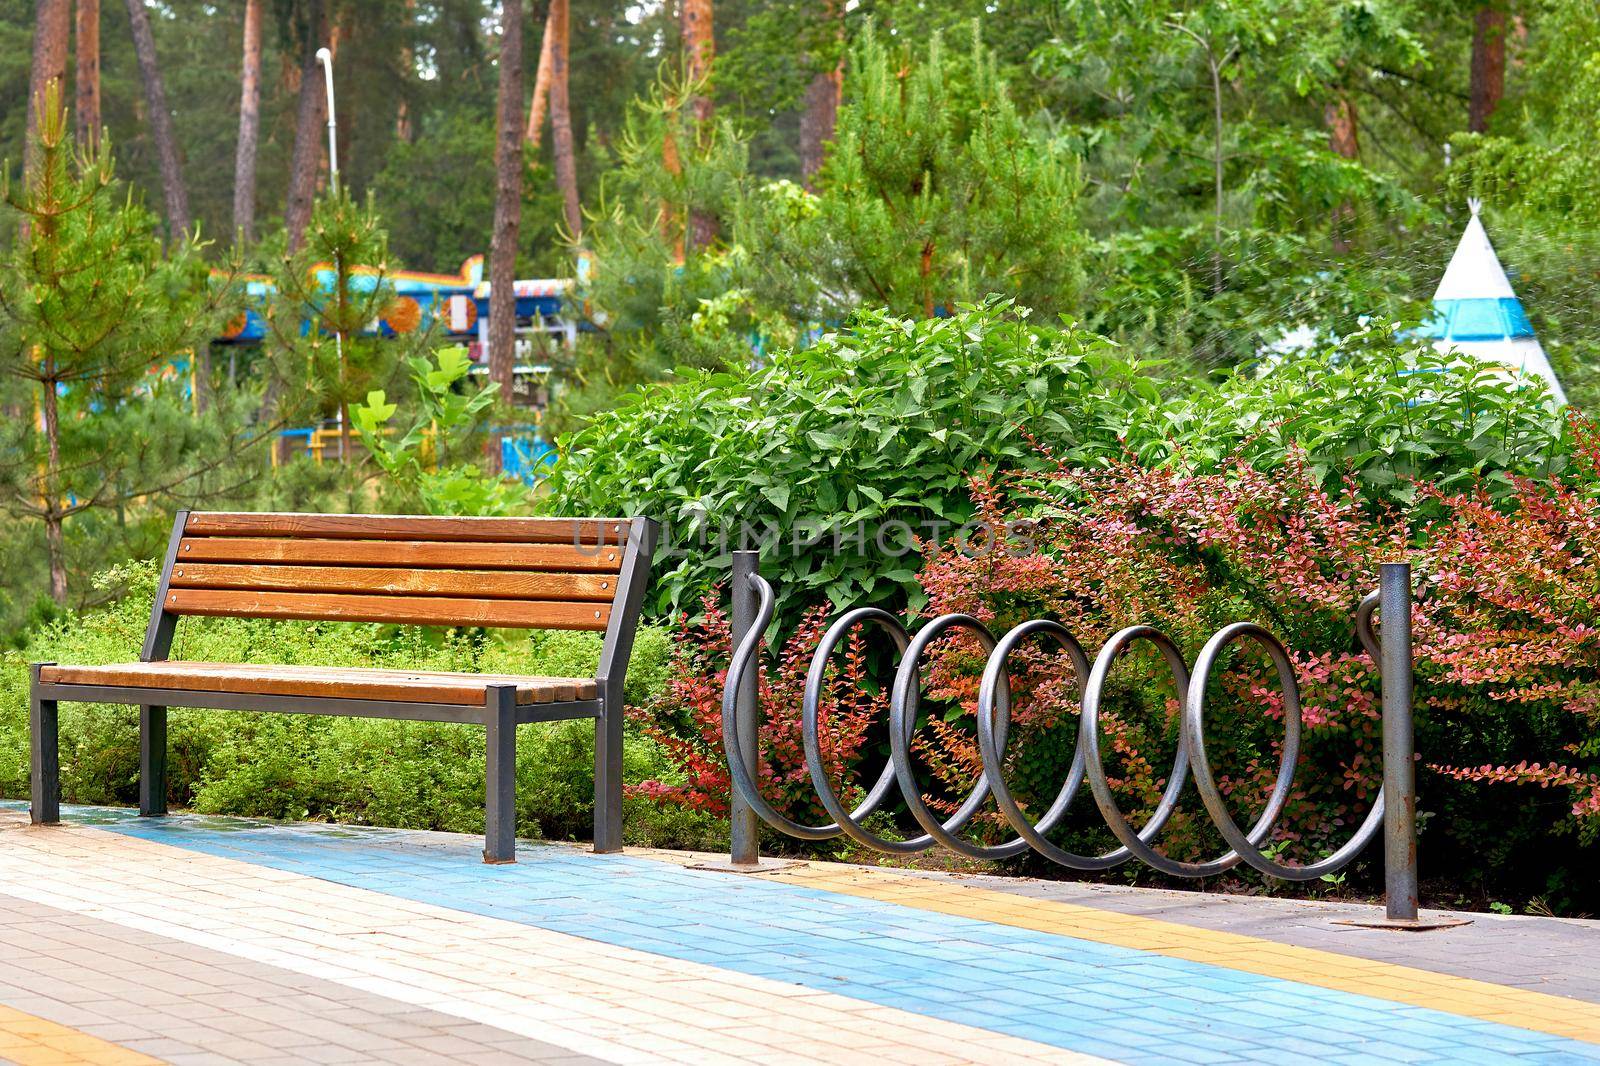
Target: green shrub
(1372,408)
(879,424)
(886,421)
(414,774)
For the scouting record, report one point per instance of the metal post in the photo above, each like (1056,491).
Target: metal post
(152,761)
(1399,746)
(325,57)
(44,767)
(746,846)
(500,774)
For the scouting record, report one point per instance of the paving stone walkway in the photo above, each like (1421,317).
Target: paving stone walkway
(192,939)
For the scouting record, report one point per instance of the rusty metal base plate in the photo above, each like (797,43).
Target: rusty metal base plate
(764,866)
(1408,925)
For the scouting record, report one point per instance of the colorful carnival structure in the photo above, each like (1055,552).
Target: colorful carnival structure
(457,306)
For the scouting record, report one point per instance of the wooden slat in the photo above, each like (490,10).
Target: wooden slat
(571,531)
(556,558)
(420,686)
(406,610)
(471,584)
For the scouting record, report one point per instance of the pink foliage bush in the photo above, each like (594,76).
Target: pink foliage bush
(687,722)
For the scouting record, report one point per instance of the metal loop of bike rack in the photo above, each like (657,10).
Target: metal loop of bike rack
(1393,809)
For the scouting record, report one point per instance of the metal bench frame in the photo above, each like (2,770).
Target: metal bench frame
(500,713)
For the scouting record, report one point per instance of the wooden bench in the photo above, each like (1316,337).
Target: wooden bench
(529,573)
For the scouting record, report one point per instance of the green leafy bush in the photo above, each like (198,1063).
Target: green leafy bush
(876,428)
(426,466)
(879,427)
(1372,408)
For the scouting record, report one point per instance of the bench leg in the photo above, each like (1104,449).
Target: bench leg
(500,775)
(608,774)
(152,761)
(45,758)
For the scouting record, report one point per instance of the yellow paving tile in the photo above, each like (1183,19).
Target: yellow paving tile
(33,1041)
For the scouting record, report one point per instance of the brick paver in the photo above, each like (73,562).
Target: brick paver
(182,1002)
(641,958)
(617,1003)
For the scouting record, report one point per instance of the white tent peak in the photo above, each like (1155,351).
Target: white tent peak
(1476,312)
(1474,272)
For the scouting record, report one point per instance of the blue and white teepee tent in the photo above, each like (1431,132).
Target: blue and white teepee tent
(1476,313)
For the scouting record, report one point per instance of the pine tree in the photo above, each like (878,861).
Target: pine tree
(656,302)
(92,318)
(321,353)
(936,192)
(244,165)
(86,83)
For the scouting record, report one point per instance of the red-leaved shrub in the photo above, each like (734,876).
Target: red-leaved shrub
(687,721)
(1506,625)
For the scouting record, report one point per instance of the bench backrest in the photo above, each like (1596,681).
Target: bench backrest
(532,573)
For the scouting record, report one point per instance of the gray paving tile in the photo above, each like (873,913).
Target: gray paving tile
(189,1004)
(1554,955)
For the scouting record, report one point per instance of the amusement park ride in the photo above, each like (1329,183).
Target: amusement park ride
(457,306)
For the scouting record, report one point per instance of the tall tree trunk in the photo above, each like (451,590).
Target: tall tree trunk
(700,48)
(54,533)
(309,118)
(87,81)
(1217,161)
(670,223)
(821,106)
(561,116)
(541,87)
(1488,66)
(244,163)
(52,28)
(1340,115)
(402,116)
(818,119)
(155,96)
(507,213)
(200,380)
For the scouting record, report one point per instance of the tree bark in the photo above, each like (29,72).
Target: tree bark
(669,222)
(54,533)
(402,115)
(310,116)
(244,164)
(200,380)
(1488,66)
(507,213)
(541,87)
(155,95)
(87,80)
(52,27)
(821,107)
(561,117)
(1343,141)
(700,49)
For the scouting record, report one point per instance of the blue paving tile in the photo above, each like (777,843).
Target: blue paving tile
(1095,998)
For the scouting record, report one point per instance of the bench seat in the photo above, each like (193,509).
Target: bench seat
(409,686)
(464,572)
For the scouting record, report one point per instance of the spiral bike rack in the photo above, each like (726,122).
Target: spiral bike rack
(1393,811)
